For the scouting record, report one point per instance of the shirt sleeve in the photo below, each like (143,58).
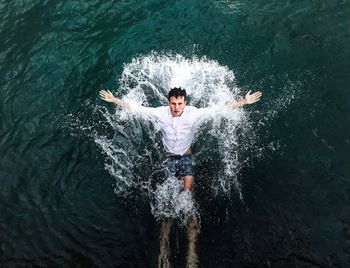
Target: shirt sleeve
(207,112)
(150,113)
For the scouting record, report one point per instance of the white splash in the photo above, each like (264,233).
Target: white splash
(134,156)
(170,201)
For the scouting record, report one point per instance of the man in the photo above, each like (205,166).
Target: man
(177,122)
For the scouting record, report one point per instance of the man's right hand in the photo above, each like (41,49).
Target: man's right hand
(106,95)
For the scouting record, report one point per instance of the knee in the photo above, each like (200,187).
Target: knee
(187,187)
(187,183)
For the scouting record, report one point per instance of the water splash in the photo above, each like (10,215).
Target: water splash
(171,202)
(134,155)
(132,144)
(223,145)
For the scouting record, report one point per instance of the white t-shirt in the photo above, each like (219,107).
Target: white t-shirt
(178,132)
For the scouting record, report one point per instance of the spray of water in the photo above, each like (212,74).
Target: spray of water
(171,202)
(135,154)
(223,143)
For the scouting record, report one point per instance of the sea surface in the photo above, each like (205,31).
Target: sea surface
(81,181)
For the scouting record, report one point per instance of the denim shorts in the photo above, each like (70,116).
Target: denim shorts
(179,165)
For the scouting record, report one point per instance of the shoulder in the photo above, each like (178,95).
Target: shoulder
(163,108)
(191,112)
(160,111)
(146,110)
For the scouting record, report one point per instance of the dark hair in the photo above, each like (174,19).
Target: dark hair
(177,92)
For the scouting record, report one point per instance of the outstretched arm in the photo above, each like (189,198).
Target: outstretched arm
(106,95)
(248,99)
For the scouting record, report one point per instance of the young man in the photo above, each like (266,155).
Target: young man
(177,123)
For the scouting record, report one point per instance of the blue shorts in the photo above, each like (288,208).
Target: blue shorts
(179,165)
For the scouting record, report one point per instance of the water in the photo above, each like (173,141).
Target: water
(274,194)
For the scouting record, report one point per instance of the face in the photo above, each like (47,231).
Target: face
(177,105)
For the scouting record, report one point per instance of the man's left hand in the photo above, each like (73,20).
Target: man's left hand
(252,98)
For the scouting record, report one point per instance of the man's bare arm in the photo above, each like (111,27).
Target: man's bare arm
(106,95)
(248,99)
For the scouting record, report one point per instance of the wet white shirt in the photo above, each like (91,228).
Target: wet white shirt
(178,132)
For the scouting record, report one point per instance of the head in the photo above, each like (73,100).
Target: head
(177,101)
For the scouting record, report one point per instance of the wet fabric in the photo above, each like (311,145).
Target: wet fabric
(179,166)
(177,131)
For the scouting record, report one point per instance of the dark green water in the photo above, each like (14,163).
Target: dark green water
(57,202)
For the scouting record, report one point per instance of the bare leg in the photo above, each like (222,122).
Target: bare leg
(192,229)
(192,235)
(164,249)
(187,182)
